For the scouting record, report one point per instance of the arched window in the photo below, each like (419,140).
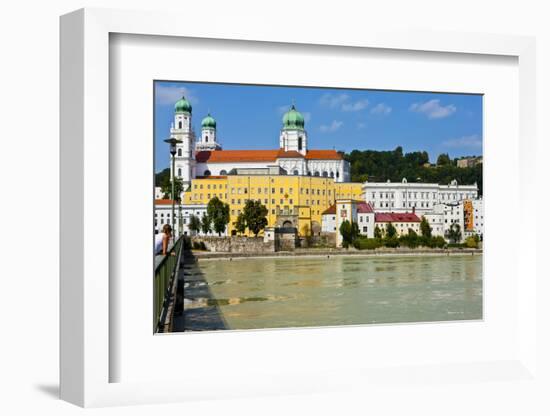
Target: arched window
(332,174)
(325,174)
(316,173)
(308,173)
(206,139)
(180,125)
(207,173)
(179,152)
(337,174)
(223,172)
(300,143)
(295,172)
(179,172)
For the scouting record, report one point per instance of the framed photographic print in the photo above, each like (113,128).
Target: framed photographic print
(290,206)
(324,237)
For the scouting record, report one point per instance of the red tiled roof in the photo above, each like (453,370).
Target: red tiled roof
(289,154)
(364,208)
(229,156)
(323,154)
(163,202)
(330,210)
(395,217)
(224,156)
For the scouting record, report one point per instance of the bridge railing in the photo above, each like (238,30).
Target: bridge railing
(166,268)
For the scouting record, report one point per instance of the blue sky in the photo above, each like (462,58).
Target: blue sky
(249,117)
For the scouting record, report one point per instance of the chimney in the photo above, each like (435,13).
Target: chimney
(414,210)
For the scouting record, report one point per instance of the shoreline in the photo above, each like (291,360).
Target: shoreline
(336,253)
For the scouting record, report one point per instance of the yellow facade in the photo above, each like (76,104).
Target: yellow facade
(303,196)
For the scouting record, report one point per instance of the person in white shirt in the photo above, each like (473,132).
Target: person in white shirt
(162,240)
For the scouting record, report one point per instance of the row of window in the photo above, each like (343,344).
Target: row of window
(223,172)
(221,186)
(423,195)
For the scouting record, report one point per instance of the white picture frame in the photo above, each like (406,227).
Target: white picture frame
(85,348)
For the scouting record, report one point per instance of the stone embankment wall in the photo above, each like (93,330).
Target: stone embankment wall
(236,244)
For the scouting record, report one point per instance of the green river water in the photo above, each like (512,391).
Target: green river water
(340,290)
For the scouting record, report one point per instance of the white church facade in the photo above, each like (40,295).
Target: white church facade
(203,156)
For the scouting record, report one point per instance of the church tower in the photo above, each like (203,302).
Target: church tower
(208,140)
(185,153)
(293,134)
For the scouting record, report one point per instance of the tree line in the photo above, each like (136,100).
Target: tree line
(393,165)
(253,217)
(388,237)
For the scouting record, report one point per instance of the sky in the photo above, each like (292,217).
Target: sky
(250,117)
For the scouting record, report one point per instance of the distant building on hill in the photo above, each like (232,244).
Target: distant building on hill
(469,162)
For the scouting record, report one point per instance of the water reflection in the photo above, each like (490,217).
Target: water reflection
(290,292)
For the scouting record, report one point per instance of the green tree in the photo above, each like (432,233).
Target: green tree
(390,230)
(194,223)
(377,232)
(346,233)
(166,188)
(393,165)
(205,224)
(255,216)
(471,242)
(218,212)
(443,159)
(240,224)
(162,177)
(454,234)
(425,228)
(354,231)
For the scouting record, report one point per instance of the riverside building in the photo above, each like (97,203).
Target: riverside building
(420,197)
(291,201)
(182,216)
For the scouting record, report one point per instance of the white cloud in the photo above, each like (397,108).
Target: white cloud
(361,126)
(381,109)
(333,100)
(433,109)
(473,141)
(169,94)
(343,102)
(356,106)
(307,116)
(332,127)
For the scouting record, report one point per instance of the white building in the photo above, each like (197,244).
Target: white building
(205,157)
(348,209)
(478,216)
(453,213)
(422,197)
(436,222)
(163,215)
(158,192)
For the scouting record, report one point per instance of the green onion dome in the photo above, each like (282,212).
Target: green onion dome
(183,106)
(208,122)
(293,119)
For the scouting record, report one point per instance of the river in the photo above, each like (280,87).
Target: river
(340,290)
